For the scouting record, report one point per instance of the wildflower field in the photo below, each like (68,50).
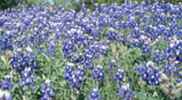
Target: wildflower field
(104,51)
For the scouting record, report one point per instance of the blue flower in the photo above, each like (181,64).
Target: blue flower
(6,43)
(24,63)
(102,20)
(74,78)
(98,73)
(169,69)
(113,36)
(119,76)
(170,52)
(6,84)
(68,71)
(27,78)
(47,92)
(68,48)
(52,48)
(94,94)
(158,57)
(22,60)
(125,93)
(146,48)
(150,75)
(87,63)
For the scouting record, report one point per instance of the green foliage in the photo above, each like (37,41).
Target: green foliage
(8,3)
(32,2)
(176,1)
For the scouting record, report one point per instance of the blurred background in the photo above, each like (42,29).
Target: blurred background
(73,4)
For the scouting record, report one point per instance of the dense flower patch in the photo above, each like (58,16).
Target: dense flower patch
(128,51)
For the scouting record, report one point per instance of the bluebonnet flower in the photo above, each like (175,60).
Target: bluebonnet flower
(158,57)
(74,78)
(2,22)
(169,69)
(102,20)
(149,74)
(173,70)
(27,78)
(80,72)
(58,33)
(179,32)
(179,58)
(68,48)
(131,23)
(153,32)
(5,87)
(24,63)
(68,71)
(146,48)
(22,60)
(52,48)
(87,63)
(119,75)
(101,49)
(95,51)
(179,46)
(6,84)
(76,58)
(98,73)
(6,42)
(179,80)
(113,36)
(125,93)
(89,53)
(170,53)
(47,92)
(80,39)
(179,51)
(94,33)
(94,94)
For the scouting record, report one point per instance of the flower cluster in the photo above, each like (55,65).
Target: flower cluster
(5,42)
(98,73)
(149,74)
(119,76)
(74,77)
(125,92)
(24,63)
(94,94)
(47,92)
(5,86)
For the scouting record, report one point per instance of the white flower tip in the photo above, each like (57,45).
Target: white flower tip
(70,64)
(99,66)
(47,81)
